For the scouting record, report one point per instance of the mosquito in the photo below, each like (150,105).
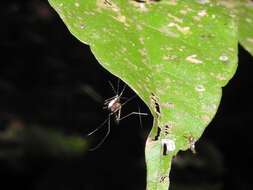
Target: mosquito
(114,106)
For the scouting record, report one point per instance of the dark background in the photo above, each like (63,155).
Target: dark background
(48,79)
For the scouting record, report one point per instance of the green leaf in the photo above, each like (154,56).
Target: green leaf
(246,25)
(176,55)
(243,9)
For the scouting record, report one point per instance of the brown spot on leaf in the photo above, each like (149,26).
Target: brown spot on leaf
(167,129)
(158,134)
(164,178)
(192,142)
(155,103)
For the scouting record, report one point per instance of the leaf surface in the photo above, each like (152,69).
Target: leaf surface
(176,55)
(243,10)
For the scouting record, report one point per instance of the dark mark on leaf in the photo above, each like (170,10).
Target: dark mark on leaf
(145,1)
(163,178)
(192,142)
(167,129)
(155,103)
(164,149)
(158,134)
(107,2)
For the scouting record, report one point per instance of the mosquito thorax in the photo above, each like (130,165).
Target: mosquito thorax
(114,105)
(112,102)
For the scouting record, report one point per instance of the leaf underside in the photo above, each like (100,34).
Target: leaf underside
(176,55)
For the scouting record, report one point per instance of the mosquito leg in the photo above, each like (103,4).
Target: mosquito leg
(118,116)
(106,135)
(140,116)
(133,113)
(99,127)
(122,90)
(129,100)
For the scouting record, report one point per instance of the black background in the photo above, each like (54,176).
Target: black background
(45,75)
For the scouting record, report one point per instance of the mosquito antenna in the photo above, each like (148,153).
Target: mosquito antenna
(106,135)
(116,92)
